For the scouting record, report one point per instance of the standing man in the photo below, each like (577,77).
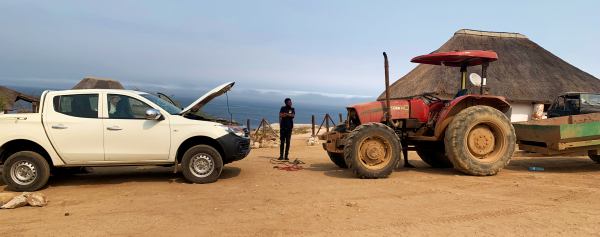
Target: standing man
(286,124)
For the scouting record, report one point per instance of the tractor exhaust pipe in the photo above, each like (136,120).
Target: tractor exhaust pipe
(387,89)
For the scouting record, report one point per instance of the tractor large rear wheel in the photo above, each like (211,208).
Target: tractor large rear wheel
(480,141)
(372,151)
(434,154)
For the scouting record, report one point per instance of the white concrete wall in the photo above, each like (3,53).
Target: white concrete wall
(521,112)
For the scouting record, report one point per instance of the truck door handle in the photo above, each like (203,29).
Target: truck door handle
(59,126)
(114,128)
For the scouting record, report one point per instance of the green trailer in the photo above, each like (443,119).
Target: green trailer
(561,135)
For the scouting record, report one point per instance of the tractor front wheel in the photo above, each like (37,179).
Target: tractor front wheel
(372,151)
(480,141)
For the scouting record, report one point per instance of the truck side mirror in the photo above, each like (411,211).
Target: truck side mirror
(153,114)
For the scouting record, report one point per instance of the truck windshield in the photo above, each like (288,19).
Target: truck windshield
(170,108)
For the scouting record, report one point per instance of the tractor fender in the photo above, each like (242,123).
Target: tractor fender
(463,102)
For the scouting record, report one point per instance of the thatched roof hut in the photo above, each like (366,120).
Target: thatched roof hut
(98,83)
(8,97)
(524,72)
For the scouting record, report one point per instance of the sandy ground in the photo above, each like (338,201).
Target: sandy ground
(253,199)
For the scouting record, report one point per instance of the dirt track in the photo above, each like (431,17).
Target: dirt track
(253,199)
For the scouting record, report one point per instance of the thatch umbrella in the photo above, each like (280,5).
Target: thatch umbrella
(8,97)
(98,83)
(524,72)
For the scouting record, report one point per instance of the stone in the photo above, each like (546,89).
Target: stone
(16,202)
(6,197)
(37,200)
(312,141)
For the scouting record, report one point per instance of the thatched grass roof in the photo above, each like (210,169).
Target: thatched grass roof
(8,97)
(524,72)
(98,83)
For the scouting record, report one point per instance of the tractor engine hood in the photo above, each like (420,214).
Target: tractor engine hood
(204,99)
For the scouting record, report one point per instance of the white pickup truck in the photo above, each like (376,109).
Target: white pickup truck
(101,127)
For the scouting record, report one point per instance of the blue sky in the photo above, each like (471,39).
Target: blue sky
(328,47)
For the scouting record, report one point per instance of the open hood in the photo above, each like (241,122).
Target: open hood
(196,105)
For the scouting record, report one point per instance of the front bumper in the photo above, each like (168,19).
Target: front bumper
(234,147)
(334,141)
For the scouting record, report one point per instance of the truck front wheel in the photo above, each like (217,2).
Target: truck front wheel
(26,171)
(202,164)
(480,140)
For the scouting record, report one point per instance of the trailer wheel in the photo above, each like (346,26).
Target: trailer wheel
(26,171)
(594,155)
(372,151)
(480,141)
(338,159)
(434,154)
(201,164)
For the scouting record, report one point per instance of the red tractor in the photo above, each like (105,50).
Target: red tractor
(471,132)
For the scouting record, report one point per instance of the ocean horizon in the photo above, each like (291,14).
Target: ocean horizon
(249,107)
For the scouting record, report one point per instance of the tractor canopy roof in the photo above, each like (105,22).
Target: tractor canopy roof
(457,58)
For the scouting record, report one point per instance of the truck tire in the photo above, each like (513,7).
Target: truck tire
(594,155)
(480,141)
(201,164)
(26,171)
(338,159)
(434,154)
(372,151)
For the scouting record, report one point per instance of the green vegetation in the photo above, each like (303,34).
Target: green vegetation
(2,103)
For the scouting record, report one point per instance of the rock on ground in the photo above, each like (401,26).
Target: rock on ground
(37,200)
(16,202)
(6,197)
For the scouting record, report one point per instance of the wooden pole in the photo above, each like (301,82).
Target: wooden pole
(327,118)
(313,125)
(341,118)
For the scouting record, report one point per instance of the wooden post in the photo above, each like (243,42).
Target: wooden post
(341,118)
(313,125)
(248,125)
(327,118)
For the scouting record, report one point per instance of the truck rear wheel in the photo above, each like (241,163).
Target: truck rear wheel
(594,155)
(201,164)
(434,154)
(480,141)
(26,171)
(372,150)
(338,159)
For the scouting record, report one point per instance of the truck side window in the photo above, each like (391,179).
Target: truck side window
(125,107)
(82,106)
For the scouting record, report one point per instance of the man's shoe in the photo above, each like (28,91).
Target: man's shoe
(286,159)
(280,158)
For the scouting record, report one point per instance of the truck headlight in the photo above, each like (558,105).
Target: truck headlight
(238,132)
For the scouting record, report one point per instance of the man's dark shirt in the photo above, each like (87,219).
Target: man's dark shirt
(287,122)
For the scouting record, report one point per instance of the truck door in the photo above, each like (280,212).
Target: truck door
(74,128)
(129,136)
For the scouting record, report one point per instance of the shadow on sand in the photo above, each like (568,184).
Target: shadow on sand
(118,175)
(555,164)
